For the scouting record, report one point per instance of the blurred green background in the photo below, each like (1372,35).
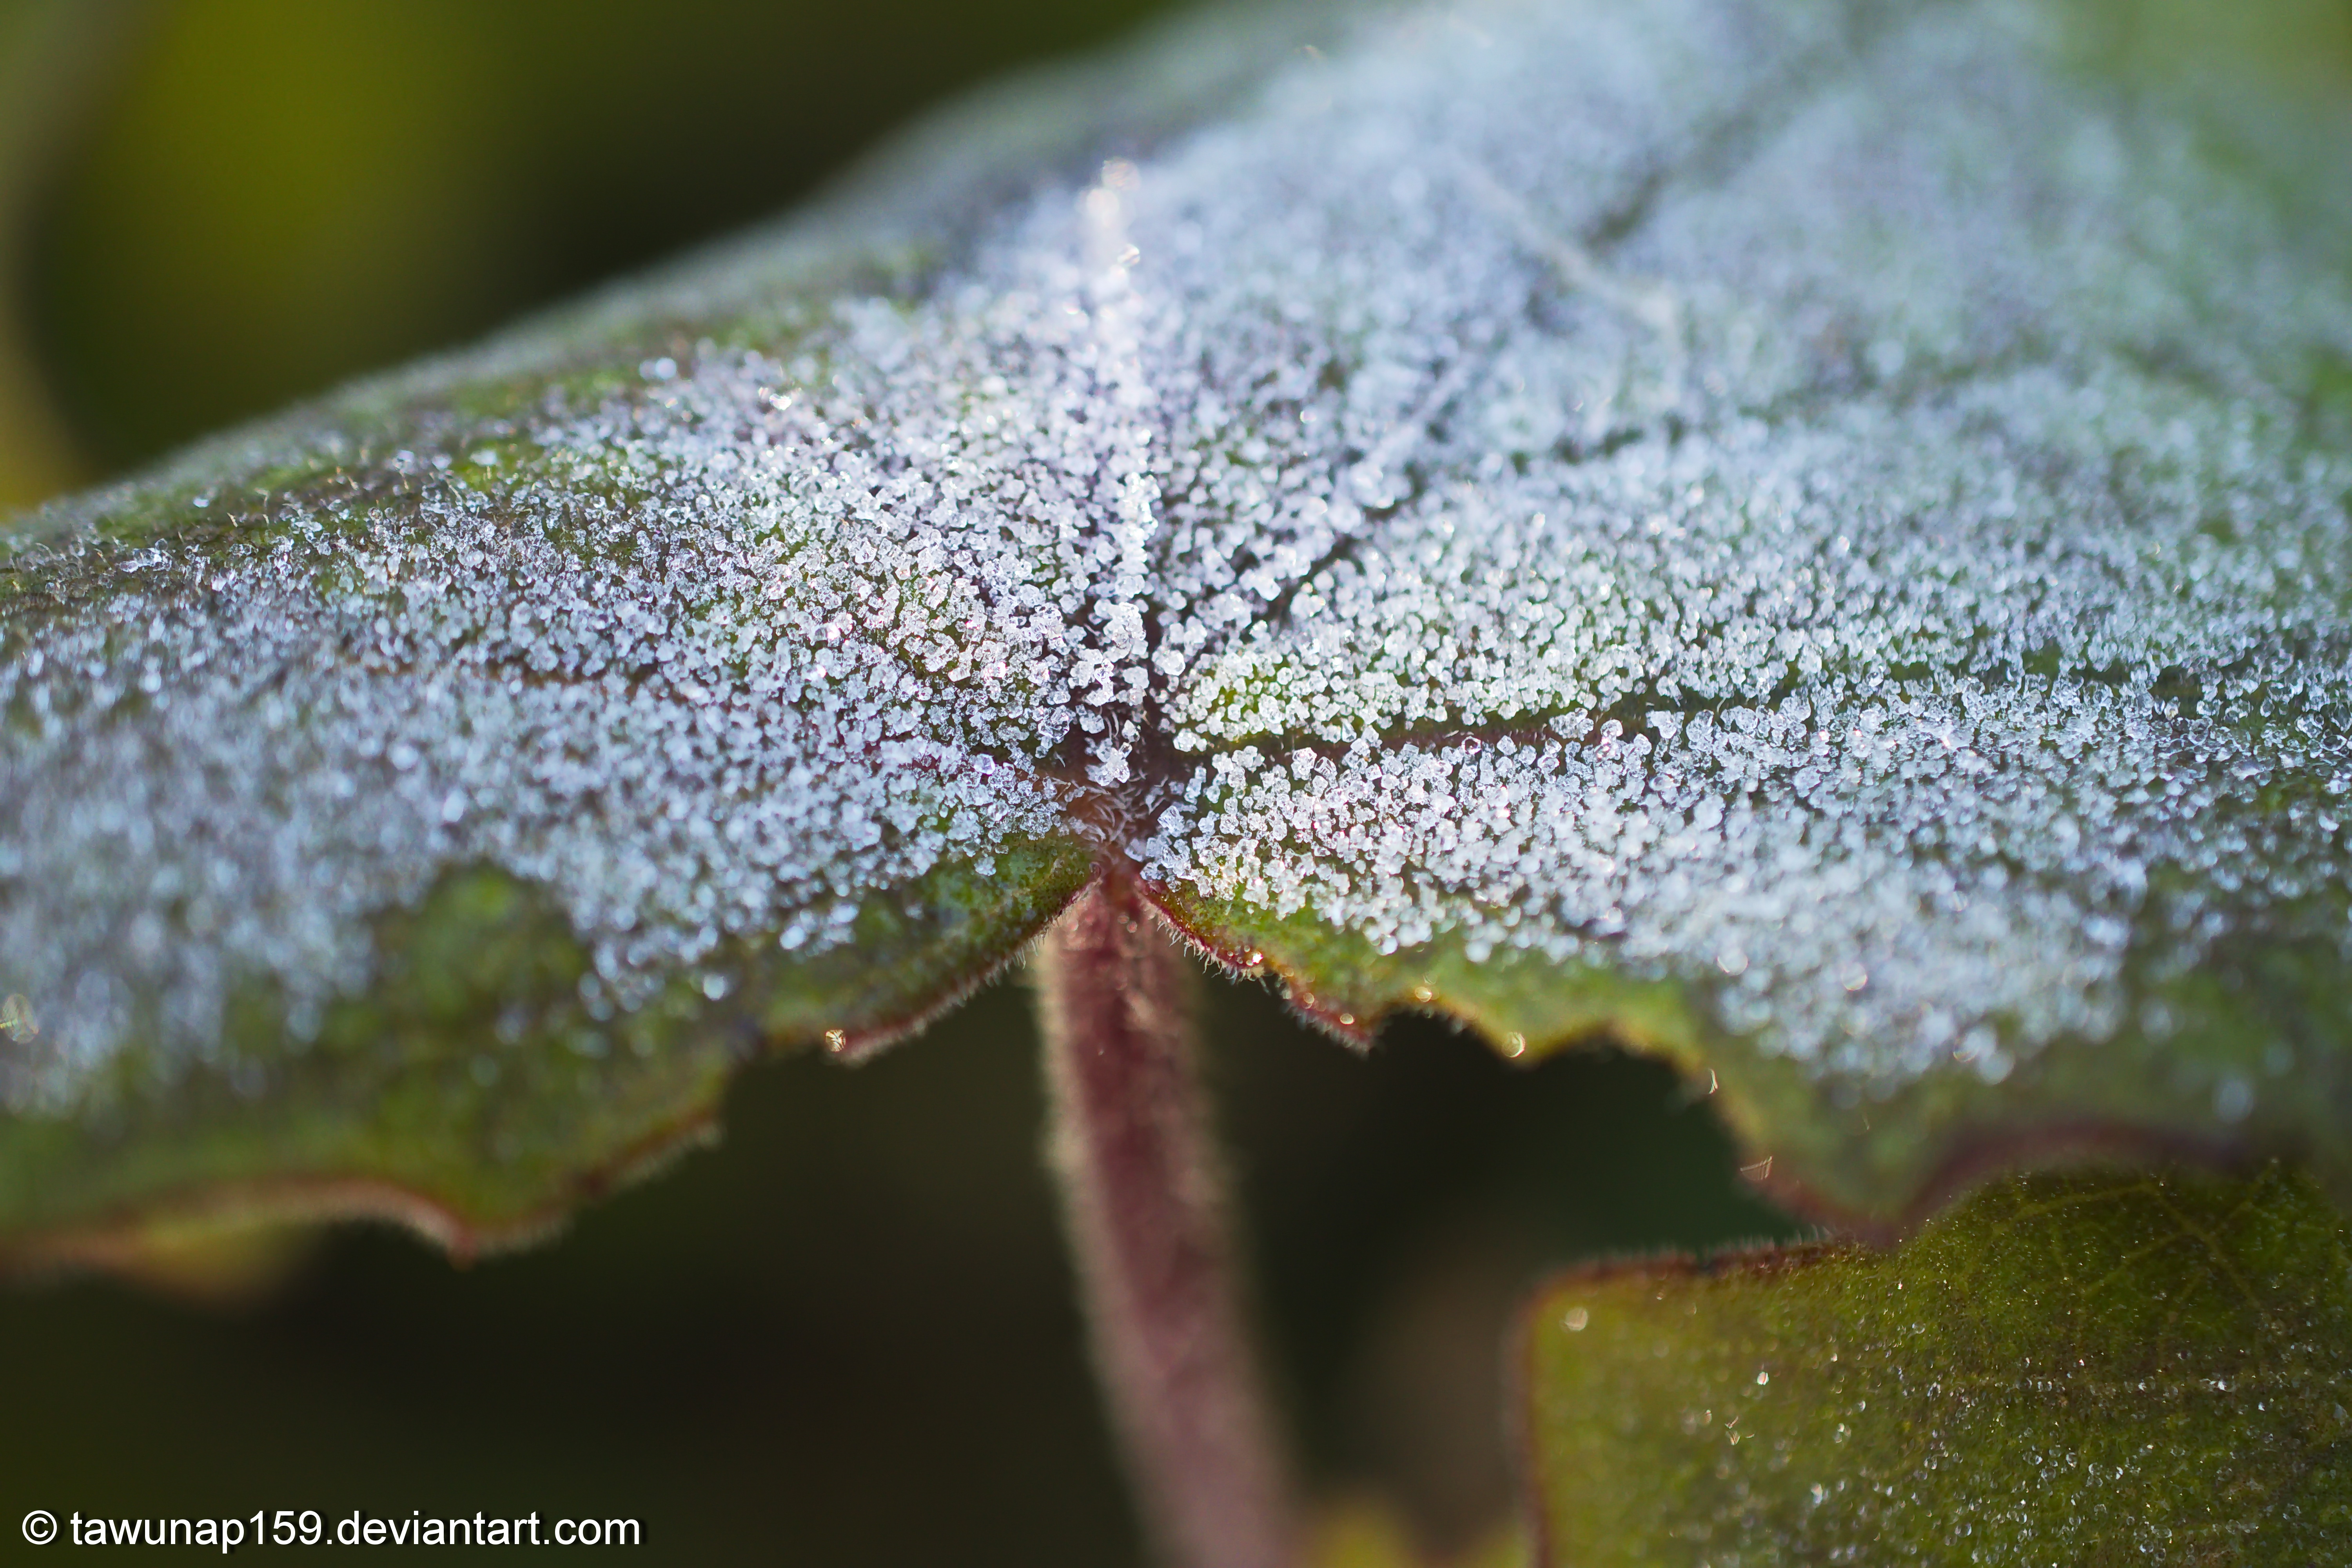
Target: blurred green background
(847,1335)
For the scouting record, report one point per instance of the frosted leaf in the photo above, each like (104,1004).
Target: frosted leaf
(1813,537)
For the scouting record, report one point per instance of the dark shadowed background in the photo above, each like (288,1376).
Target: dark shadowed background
(845,1336)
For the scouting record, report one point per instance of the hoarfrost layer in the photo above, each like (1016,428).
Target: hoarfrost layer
(1821,501)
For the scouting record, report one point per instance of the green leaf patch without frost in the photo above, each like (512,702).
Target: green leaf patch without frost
(2063,1369)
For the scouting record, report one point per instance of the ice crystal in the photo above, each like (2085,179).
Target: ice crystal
(1822,499)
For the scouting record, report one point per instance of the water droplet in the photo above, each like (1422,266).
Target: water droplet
(1575,1318)
(2233,1097)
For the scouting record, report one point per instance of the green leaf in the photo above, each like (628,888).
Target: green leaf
(1810,537)
(2085,1368)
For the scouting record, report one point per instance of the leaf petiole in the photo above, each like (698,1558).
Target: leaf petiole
(1144,1203)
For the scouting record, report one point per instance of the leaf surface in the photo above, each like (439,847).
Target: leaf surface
(1808,536)
(2062,1368)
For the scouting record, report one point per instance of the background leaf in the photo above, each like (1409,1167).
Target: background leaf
(49,53)
(2075,1368)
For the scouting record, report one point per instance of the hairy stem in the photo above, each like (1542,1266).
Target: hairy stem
(1146,1211)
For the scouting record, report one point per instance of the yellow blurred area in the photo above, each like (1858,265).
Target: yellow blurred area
(223,1266)
(1364,1533)
(362,196)
(48,51)
(213,208)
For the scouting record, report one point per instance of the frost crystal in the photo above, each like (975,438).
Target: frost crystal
(1817,500)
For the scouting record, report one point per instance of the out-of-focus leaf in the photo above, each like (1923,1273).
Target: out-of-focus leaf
(386,179)
(1810,536)
(48,49)
(2063,1369)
